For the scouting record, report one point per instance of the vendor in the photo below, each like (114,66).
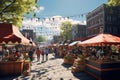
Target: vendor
(30,53)
(5,52)
(93,52)
(17,54)
(100,53)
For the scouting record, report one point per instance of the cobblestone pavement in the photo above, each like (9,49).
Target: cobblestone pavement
(53,69)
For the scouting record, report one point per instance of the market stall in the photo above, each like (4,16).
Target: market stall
(107,65)
(12,62)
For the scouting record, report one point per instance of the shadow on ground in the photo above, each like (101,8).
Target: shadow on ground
(66,65)
(8,77)
(83,76)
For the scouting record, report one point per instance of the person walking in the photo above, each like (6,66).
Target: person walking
(30,53)
(46,53)
(43,52)
(38,53)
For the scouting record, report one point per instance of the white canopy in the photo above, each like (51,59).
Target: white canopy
(74,43)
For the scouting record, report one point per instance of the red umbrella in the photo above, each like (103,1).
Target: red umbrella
(101,40)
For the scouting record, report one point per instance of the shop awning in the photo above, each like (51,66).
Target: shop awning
(10,34)
(101,40)
(74,43)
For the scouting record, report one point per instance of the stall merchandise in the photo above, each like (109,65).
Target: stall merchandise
(69,58)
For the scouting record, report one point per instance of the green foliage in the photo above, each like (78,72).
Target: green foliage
(40,39)
(13,11)
(113,2)
(66,30)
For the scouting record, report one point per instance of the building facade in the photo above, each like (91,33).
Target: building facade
(104,19)
(78,32)
(28,34)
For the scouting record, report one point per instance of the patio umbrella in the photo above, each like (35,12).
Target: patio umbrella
(101,40)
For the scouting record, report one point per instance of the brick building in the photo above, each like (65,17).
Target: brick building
(78,31)
(104,19)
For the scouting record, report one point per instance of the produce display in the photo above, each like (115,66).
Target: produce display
(79,64)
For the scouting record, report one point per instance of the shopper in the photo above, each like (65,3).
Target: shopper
(30,53)
(38,53)
(43,52)
(46,53)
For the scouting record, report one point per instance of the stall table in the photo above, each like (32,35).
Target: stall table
(103,71)
(11,68)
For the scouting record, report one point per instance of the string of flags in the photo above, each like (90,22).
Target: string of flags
(42,19)
(52,23)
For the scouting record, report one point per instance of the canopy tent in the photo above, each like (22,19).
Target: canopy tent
(101,40)
(74,43)
(53,45)
(9,34)
(32,43)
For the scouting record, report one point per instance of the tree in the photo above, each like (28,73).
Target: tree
(66,30)
(114,2)
(13,11)
(40,39)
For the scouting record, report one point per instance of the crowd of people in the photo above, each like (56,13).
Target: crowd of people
(40,53)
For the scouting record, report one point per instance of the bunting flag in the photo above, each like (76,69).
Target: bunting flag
(49,25)
(59,18)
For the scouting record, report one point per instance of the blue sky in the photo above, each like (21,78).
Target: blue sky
(64,8)
(67,8)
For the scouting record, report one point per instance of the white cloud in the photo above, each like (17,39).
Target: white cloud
(41,8)
(78,22)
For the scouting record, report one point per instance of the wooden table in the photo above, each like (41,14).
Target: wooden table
(11,68)
(103,71)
